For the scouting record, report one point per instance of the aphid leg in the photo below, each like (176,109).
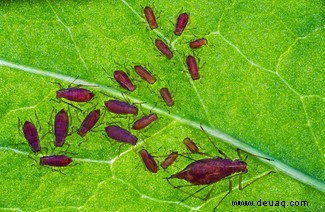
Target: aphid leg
(60,100)
(215,146)
(73,82)
(241,187)
(186,192)
(38,122)
(230,189)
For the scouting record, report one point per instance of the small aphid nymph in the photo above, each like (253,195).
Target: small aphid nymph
(89,122)
(148,161)
(119,134)
(55,160)
(144,121)
(150,16)
(144,74)
(118,107)
(164,49)
(198,43)
(181,23)
(165,94)
(192,67)
(61,125)
(122,78)
(31,135)
(75,94)
(169,160)
(190,145)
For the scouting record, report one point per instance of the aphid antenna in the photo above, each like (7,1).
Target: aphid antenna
(215,146)
(73,82)
(38,122)
(240,157)
(56,83)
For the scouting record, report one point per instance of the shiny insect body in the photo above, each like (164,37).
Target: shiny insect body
(119,134)
(164,49)
(148,161)
(165,94)
(181,23)
(169,160)
(31,135)
(119,107)
(89,122)
(123,79)
(192,67)
(75,94)
(61,125)
(198,43)
(55,160)
(144,74)
(150,16)
(144,121)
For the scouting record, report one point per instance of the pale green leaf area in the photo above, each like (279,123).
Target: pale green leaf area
(261,90)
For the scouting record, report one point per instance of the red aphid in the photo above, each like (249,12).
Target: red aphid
(192,67)
(150,16)
(210,170)
(144,74)
(31,135)
(119,134)
(122,78)
(89,122)
(190,145)
(164,49)
(169,160)
(165,94)
(148,161)
(198,43)
(55,160)
(119,107)
(61,125)
(144,121)
(181,23)
(75,94)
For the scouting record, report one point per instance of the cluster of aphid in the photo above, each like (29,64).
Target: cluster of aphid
(200,172)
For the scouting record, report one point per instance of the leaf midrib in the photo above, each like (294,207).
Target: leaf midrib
(276,164)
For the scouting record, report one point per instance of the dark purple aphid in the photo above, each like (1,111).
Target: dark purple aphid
(61,125)
(75,94)
(144,121)
(144,74)
(169,160)
(119,107)
(89,122)
(122,78)
(164,49)
(198,43)
(55,160)
(148,161)
(192,67)
(119,134)
(31,136)
(181,24)
(210,170)
(150,16)
(165,94)
(190,145)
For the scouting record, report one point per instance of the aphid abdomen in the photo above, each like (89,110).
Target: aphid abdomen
(61,125)
(75,94)
(164,49)
(148,161)
(31,136)
(123,79)
(181,23)
(119,134)
(119,107)
(169,160)
(55,160)
(150,16)
(89,122)
(144,121)
(211,170)
(165,94)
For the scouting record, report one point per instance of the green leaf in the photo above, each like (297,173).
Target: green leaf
(260,91)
